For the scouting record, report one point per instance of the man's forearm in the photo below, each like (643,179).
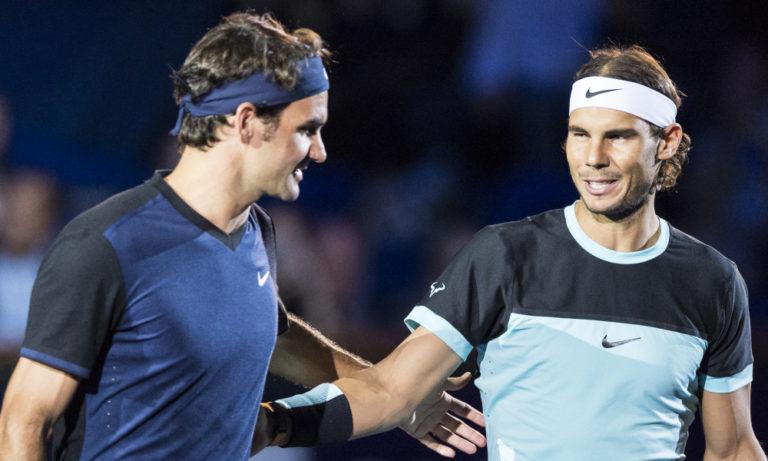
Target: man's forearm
(375,406)
(22,441)
(328,414)
(304,356)
(380,397)
(405,389)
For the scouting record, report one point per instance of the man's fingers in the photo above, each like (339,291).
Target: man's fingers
(435,425)
(441,434)
(437,447)
(462,429)
(466,411)
(454,384)
(429,418)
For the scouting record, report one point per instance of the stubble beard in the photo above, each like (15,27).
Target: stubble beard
(633,201)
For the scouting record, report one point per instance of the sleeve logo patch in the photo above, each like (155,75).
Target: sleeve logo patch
(434,289)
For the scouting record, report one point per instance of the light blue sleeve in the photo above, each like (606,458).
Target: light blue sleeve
(423,316)
(726,384)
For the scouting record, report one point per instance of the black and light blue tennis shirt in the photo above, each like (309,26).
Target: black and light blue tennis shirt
(168,322)
(587,354)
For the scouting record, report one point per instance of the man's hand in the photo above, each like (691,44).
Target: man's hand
(435,424)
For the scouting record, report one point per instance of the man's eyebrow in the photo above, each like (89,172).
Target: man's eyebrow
(312,123)
(574,128)
(622,133)
(618,132)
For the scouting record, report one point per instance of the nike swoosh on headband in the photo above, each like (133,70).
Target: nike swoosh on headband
(590,94)
(634,98)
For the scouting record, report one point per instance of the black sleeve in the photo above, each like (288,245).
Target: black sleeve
(730,350)
(270,243)
(469,294)
(76,301)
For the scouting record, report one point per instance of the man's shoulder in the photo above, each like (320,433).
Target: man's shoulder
(99,218)
(535,227)
(83,246)
(527,237)
(699,254)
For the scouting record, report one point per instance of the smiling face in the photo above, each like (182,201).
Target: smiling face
(282,153)
(613,160)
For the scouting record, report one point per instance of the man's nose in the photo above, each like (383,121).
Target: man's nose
(317,149)
(597,155)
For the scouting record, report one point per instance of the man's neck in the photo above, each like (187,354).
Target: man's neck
(210,183)
(636,232)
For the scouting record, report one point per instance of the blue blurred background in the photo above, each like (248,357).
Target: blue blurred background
(445,116)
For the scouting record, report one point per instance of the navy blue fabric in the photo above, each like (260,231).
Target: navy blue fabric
(178,369)
(259,89)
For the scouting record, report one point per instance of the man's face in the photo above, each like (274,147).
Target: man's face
(612,159)
(285,151)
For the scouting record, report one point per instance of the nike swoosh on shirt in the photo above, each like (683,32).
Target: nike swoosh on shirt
(590,94)
(609,344)
(263,279)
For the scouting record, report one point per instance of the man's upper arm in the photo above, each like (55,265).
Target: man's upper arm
(727,363)
(728,426)
(76,300)
(306,357)
(37,394)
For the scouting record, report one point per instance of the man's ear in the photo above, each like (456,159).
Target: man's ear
(247,125)
(670,140)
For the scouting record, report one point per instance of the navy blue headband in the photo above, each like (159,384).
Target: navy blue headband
(258,89)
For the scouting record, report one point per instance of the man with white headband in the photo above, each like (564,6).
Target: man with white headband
(600,329)
(155,316)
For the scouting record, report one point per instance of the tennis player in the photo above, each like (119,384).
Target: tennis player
(600,329)
(155,316)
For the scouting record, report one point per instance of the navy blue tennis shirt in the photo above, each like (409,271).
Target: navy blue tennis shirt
(168,322)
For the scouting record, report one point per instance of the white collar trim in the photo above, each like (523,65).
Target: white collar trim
(611,256)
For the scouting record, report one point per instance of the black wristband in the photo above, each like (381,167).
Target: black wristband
(281,423)
(321,416)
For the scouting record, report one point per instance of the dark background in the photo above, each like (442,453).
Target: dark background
(445,116)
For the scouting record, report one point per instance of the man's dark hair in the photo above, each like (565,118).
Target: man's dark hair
(635,64)
(241,45)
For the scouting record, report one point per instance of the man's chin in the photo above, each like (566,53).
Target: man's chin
(612,211)
(290,195)
(286,195)
(599,205)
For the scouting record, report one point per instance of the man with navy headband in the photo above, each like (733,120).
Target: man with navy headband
(600,328)
(155,316)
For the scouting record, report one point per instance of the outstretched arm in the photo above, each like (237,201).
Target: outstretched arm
(386,395)
(728,427)
(37,394)
(406,389)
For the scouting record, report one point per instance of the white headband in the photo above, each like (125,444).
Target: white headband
(630,97)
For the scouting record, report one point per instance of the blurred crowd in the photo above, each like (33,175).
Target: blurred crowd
(444,116)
